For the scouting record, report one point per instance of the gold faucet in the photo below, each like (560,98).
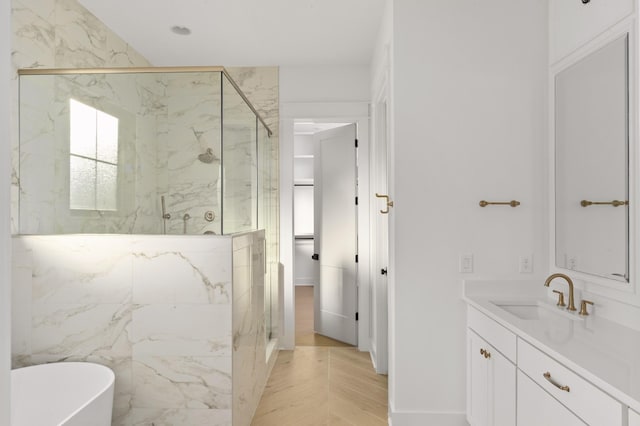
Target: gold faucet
(572,306)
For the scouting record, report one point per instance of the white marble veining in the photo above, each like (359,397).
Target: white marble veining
(176,416)
(182,382)
(251,367)
(182,277)
(157,309)
(80,300)
(186,329)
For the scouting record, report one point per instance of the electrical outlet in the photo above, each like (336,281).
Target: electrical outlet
(466,263)
(525,264)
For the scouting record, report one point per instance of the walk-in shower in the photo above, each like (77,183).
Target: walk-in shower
(146,151)
(101,149)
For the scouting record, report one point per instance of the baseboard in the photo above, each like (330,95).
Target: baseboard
(416,418)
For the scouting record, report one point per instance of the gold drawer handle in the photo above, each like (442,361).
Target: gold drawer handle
(547,376)
(485,353)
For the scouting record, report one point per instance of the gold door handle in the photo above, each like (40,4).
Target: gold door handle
(547,376)
(485,353)
(389,203)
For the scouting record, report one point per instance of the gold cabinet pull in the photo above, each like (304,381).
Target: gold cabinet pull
(614,203)
(547,376)
(389,203)
(512,203)
(485,353)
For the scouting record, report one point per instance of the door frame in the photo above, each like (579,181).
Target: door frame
(380,303)
(344,112)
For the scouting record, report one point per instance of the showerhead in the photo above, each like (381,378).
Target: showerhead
(207,157)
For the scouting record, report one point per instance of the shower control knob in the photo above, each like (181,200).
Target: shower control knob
(209,216)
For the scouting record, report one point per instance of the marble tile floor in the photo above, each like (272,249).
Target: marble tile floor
(323,382)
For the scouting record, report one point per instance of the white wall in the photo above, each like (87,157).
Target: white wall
(5,240)
(469,92)
(324,84)
(338,93)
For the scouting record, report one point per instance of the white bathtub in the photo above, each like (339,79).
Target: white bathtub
(62,393)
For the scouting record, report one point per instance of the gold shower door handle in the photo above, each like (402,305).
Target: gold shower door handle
(389,203)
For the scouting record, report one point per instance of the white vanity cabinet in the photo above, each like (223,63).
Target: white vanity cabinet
(572,391)
(513,382)
(491,376)
(634,418)
(573,22)
(536,407)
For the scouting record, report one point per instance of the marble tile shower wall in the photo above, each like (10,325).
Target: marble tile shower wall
(191,126)
(62,34)
(158,310)
(58,34)
(141,304)
(44,152)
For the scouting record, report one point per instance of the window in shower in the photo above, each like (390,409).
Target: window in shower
(93,158)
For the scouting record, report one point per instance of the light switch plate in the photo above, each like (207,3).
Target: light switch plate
(466,263)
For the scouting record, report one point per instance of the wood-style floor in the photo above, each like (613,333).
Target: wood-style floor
(327,384)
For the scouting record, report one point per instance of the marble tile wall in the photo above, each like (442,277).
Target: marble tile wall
(62,34)
(131,302)
(192,125)
(157,310)
(251,367)
(44,153)
(58,34)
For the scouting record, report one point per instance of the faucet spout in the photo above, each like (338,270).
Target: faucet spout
(571,306)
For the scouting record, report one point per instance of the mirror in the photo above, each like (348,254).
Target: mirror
(592,163)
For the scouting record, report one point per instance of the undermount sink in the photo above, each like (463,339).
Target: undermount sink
(534,310)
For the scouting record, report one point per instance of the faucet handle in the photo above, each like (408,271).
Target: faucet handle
(583,307)
(560,298)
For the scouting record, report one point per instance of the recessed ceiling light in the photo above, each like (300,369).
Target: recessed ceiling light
(177,29)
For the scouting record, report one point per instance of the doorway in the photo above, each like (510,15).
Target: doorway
(322,113)
(325,233)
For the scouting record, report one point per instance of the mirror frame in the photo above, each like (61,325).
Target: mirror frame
(608,287)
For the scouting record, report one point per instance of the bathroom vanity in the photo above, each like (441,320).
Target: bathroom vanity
(532,363)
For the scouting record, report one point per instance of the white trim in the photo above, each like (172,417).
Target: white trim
(347,112)
(421,418)
(379,345)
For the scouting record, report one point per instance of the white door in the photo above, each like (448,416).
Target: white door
(381,211)
(335,233)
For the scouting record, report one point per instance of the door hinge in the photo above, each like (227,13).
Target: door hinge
(356,258)
(356,201)
(356,143)
(356,316)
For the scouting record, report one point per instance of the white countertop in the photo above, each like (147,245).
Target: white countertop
(603,352)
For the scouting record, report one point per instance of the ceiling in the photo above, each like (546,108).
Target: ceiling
(246,32)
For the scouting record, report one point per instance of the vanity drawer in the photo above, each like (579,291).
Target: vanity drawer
(496,335)
(573,23)
(634,418)
(587,401)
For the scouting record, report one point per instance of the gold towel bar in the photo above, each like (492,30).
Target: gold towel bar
(614,203)
(512,203)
